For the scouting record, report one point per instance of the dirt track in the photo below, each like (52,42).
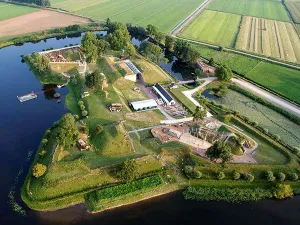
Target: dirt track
(37,21)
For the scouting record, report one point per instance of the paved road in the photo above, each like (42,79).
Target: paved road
(189,93)
(241,53)
(267,95)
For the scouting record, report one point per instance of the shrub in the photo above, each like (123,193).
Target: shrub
(80,103)
(277,137)
(196,174)
(44,141)
(281,177)
(221,175)
(266,131)
(42,153)
(74,82)
(282,191)
(39,170)
(84,113)
(236,175)
(294,176)
(48,132)
(296,150)
(99,129)
(255,124)
(82,107)
(76,117)
(270,176)
(248,177)
(188,170)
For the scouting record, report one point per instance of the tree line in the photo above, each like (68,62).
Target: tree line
(43,3)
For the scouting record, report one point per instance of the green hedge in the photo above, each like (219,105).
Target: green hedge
(226,194)
(94,199)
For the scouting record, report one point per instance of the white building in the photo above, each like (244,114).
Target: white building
(143,105)
(163,94)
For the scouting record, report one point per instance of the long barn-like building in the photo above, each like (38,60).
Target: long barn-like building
(163,94)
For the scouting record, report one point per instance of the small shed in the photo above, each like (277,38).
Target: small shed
(115,107)
(82,145)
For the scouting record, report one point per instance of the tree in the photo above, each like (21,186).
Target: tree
(74,82)
(84,113)
(42,153)
(118,36)
(67,131)
(102,46)
(219,150)
(152,51)
(294,176)
(196,174)
(277,138)
(89,46)
(282,191)
(223,73)
(296,150)
(82,107)
(130,50)
(221,175)
(94,80)
(169,43)
(200,113)
(99,129)
(44,141)
(281,177)
(248,177)
(39,170)
(129,171)
(108,22)
(151,30)
(270,176)
(236,175)
(188,170)
(211,62)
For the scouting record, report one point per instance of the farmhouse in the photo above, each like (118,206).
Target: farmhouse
(206,68)
(143,105)
(163,94)
(82,145)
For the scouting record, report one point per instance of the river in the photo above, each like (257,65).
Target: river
(23,125)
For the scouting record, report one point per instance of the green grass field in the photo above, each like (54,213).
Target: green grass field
(294,9)
(214,27)
(269,9)
(298,28)
(8,11)
(267,118)
(165,14)
(268,37)
(278,78)
(177,92)
(283,80)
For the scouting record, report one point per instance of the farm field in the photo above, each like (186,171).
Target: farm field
(8,11)
(277,78)
(37,21)
(165,14)
(294,9)
(269,37)
(214,27)
(240,64)
(269,9)
(266,118)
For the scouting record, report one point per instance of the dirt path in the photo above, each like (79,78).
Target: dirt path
(37,21)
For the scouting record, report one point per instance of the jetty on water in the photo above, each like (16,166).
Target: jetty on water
(27,97)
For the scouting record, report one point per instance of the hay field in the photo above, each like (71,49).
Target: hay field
(269,37)
(294,8)
(8,11)
(214,27)
(278,78)
(270,9)
(165,14)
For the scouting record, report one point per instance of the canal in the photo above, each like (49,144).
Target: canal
(22,127)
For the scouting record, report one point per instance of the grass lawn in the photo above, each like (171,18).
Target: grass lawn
(177,92)
(280,79)
(8,11)
(298,28)
(151,72)
(270,9)
(270,38)
(165,14)
(214,27)
(62,68)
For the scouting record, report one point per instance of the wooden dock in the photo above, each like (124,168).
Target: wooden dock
(27,97)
